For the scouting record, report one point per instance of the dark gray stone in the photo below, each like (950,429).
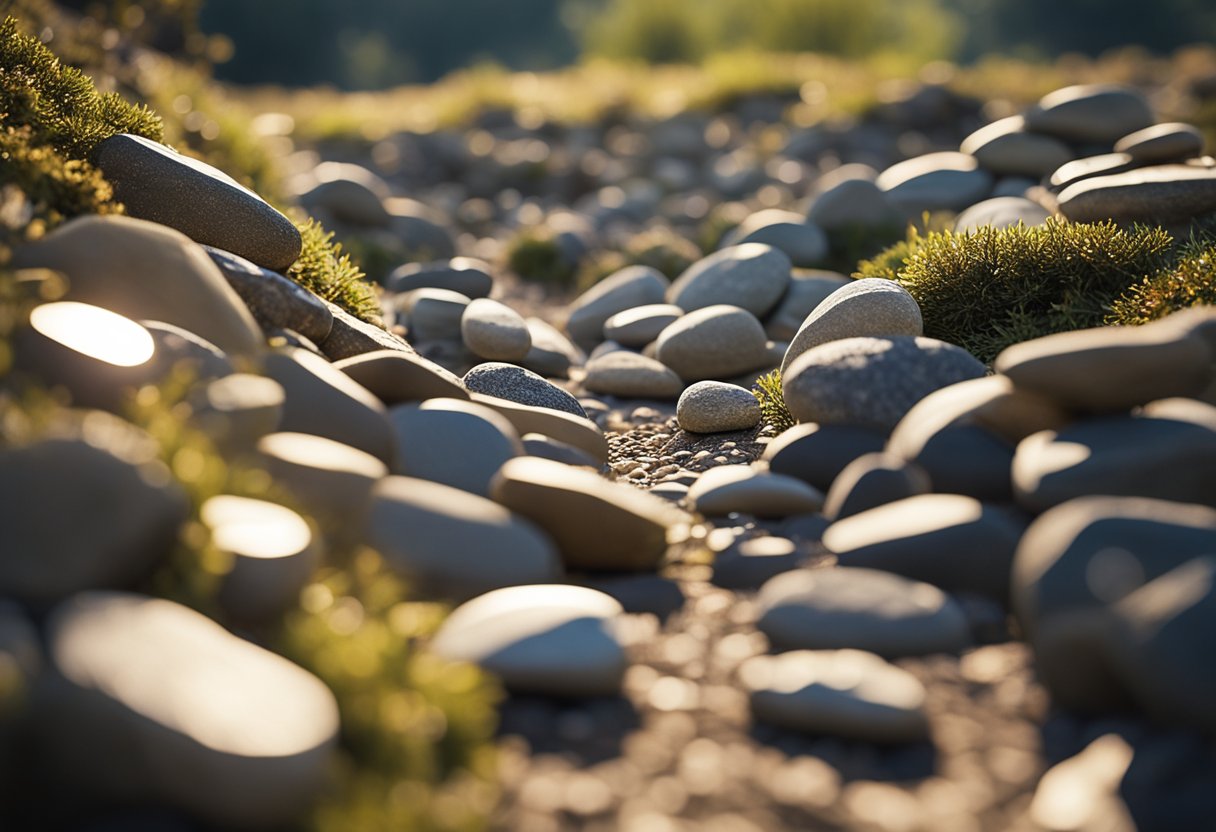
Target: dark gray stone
(514,383)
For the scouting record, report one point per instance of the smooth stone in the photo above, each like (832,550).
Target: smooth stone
(1005,148)
(1094,551)
(275,301)
(1014,186)
(1001,212)
(872,382)
(238,410)
(631,286)
(546,447)
(154,182)
(1125,456)
(641,593)
(867,307)
(454,442)
(1182,410)
(751,276)
(1168,142)
(549,639)
(845,693)
(347,201)
(1162,193)
(494,331)
(133,672)
(838,607)
(948,540)
(673,492)
(455,544)
(435,314)
(598,524)
(637,327)
(351,336)
(1090,113)
(1083,792)
(804,528)
(944,181)
(1088,167)
(991,402)
(1160,643)
(583,434)
(146,271)
(745,565)
(806,291)
(631,375)
(552,354)
(466,275)
(853,203)
(332,481)
(422,235)
(716,407)
(873,480)
(802,241)
(181,351)
(514,383)
(749,490)
(816,454)
(713,342)
(273,555)
(322,400)
(399,377)
(89,505)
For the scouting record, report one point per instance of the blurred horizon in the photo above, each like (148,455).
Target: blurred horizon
(378,44)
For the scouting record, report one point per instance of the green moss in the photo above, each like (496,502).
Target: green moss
(991,288)
(1191,282)
(660,248)
(324,269)
(535,255)
(773,410)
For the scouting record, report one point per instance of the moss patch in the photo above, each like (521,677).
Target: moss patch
(773,410)
(325,270)
(1191,282)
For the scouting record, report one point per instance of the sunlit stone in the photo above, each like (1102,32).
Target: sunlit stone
(96,332)
(255,528)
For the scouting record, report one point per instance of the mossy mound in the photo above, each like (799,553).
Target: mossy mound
(328,272)
(988,289)
(535,255)
(1191,282)
(773,410)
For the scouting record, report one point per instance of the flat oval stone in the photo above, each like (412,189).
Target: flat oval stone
(273,554)
(514,383)
(1004,147)
(598,525)
(455,544)
(751,276)
(322,400)
(1001,212)
(870,481)
(398,377)
(843,607)
(802,241)
(146,271)
(454,442)
(434,314)
(1163,193)
(494,332)
(466,275)
(87,506)
(951,541)
(1110,368)
(583,434)
(806,291)
(637,327)
(348,199)
(349,336)
(845,693)
(549,639)
(853,203)
(546,447)
(632,375)
(631,286)
(552,354)
(872,382)
(156,183)
(1090,113)
(1126,456)
(139,672)
(275,301)
(867,307)
(944,181)
(1162,143)
(991,402)
(713,342)
(748,490)
(238,410)
(747,564)
(716,407)
(816,454)
(1090,166)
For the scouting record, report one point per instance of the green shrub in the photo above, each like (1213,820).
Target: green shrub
(325,270)
(1192,282)
(660,248)
(991,288)
(535,255)
(773,410)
